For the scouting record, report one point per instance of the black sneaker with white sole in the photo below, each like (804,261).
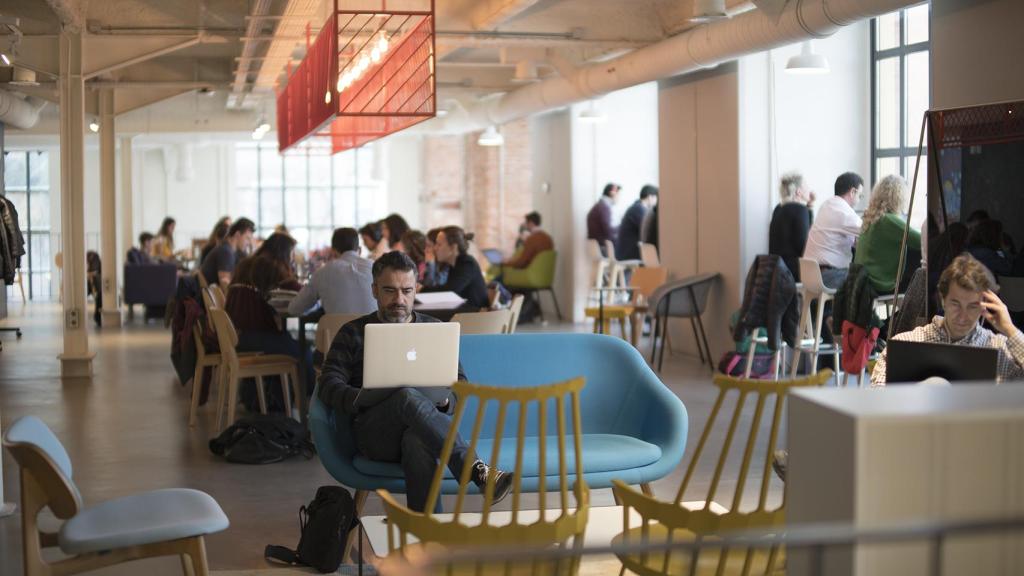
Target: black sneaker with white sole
(502,480)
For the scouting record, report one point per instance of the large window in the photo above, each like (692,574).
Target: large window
(27,184)
(899,50)
(307,190)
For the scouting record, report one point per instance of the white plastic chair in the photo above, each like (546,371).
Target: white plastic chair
(515,308)
(617,273)
(491,322)
(600,264)
(809,333)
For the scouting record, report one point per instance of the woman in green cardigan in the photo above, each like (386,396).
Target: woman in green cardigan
(878,248)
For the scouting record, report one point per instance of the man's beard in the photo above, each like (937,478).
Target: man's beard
(396,314)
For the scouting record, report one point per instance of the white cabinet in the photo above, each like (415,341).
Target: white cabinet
(909,454)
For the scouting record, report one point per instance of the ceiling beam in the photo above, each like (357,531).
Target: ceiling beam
(70,14)
(238,91)
(103,48)
(488,14)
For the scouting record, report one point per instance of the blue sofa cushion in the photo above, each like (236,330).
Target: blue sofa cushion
(601,453)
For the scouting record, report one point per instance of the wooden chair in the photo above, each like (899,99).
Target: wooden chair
(706,519)
(561,525)
(170,522)
(239,367)
(217,295)
(515,308)
(642,283)
(327,328)
(490,322)
(618,267)
(201,278)
(649,255)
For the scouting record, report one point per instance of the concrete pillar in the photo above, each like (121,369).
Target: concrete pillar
(76,359)
(108,211)
(127,215)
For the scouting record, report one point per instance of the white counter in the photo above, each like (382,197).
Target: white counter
(909,453)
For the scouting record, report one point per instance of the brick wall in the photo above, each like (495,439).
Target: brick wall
(484,189)
(444,181)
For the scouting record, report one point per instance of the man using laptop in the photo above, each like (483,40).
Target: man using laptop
(396,424)
(967,291)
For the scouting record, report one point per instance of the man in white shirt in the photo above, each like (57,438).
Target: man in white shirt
(343,285)
(835,230)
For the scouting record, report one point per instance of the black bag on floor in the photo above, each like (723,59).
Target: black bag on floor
(325,523)
(262,439)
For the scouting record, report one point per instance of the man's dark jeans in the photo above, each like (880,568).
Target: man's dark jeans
(408,428)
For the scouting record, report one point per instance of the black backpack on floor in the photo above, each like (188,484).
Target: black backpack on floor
(262,439)
(325,523)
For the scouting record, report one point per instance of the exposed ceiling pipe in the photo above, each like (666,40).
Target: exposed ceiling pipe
(701,47)
(259,8)
(18,113)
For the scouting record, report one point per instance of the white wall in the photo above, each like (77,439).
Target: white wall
(551,150)
(817,125)
(622,149)
(400,159)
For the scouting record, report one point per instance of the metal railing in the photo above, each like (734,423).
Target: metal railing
(806,548)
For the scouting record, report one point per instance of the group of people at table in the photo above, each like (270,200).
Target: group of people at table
(964,261)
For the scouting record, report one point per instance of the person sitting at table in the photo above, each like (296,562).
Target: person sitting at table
(219,264)
(968,292)
(399,424)
(433,273)
(259,327)
(342,285)
(464,275)
(394,228)
(140,255)
(374,240)
(217,235)
(414,244)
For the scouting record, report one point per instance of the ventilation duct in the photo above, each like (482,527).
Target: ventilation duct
(701,47)
(20,113)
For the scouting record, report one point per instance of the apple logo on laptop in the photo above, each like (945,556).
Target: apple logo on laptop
(411,355)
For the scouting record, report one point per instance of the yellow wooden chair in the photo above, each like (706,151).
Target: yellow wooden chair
(561,525)
(679,521)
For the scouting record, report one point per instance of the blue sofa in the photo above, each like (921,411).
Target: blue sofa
(634,427)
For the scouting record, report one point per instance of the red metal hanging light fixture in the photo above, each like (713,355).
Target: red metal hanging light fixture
(368,74)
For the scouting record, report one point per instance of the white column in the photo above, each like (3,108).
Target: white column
(127,215)
(108,211)
(76,359)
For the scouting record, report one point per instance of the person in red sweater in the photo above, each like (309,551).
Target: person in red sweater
(537,241)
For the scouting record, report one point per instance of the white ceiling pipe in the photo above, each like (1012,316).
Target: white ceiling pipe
(18,113)
(701,47)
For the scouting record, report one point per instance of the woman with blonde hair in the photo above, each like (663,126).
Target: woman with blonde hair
(791,221)
(878,248)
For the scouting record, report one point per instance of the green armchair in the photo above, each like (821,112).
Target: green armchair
(538,276)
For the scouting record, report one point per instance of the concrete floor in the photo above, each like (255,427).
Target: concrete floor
(126,431)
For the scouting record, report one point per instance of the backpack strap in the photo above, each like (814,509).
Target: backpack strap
(282,554)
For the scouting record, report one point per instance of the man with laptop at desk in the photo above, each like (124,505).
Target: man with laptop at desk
(957,347)
(392,369)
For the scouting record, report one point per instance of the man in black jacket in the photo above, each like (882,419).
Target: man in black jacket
(400,424)
(627,246)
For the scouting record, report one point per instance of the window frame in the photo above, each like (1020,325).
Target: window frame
(29,232)
(902,51)
(333,186)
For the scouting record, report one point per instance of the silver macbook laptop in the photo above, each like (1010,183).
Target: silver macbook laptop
(419,355)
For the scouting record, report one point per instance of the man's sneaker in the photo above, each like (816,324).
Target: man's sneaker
(502,480)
